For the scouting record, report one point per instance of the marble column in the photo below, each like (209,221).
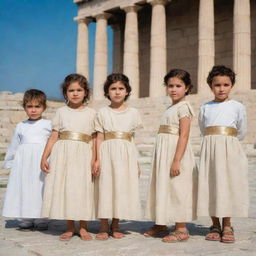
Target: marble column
(82,57)
(100,56)
(242,44)
(131,49)
(206,50)
(158,53)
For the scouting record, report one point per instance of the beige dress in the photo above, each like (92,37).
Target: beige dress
(118,180)
(223,170)
(172,199)
(69,188)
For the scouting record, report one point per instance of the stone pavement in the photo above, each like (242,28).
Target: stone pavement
(46,243)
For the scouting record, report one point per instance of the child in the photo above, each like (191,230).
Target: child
(69,185)
(117,158)
(24,191)
(171,195)
(223,184)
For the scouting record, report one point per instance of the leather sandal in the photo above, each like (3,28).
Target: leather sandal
(176,236)
(214,234)
(228,235)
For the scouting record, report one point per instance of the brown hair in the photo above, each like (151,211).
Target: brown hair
(34,94)
(182,75)
(221,70)
(117,77)
(76,78)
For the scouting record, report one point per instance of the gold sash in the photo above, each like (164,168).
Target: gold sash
(220,130)
(168,129)
(67,135)
(118,135)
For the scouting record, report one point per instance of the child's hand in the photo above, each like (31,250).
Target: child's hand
(45,166)
(96,169)
(175,169)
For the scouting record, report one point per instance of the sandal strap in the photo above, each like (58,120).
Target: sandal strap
(215,229)
(177,234)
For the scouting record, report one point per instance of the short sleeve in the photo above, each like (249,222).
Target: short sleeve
(241,123)
(98,123)
(185,110)
(56,121)
(10,154)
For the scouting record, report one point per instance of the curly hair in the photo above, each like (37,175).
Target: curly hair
(117,77)
(34,94)
(182,75)
(221,70)
(76,78)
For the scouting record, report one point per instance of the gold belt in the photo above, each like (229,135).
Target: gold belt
(118,135)
(220,130)
(168,129)
(67,135)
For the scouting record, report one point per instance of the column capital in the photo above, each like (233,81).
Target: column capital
(101,16)
(156,2)
(82,20)
(131,8)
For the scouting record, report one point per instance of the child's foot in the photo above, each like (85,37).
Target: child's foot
(214,234)
(156,231)
(116,233)
(84,235)
(66,236)
(176,236)
(228,235)
(103,233)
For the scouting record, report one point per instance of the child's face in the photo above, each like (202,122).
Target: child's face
(221,87)
(34,110)
(117,92)
(176,89)
(75,94)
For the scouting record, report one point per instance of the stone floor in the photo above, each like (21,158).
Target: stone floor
(17,243)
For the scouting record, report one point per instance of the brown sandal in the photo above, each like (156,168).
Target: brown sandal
(214,234)
(156,231)
(228,235)
(176,236)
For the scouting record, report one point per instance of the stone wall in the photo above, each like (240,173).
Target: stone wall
(151,110)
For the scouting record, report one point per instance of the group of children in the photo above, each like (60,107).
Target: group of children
(90,168)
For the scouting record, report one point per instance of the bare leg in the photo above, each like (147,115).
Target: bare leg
(69,232)
(83,232)
(104,230)
(115,229)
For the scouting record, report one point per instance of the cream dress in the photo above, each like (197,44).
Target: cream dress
(69,188)
(118,180)
(223,181)
(172,199)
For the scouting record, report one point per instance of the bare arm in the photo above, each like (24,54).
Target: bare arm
(47,151)
(94,151)
(181,145)
(99,139)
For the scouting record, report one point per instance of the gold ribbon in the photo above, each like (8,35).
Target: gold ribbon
(220,130)
(118,135)
(67,135)
(168,129)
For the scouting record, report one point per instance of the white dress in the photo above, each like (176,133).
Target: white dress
(223,170)
(24,193)
(69,187)
(118,180)
(172,199)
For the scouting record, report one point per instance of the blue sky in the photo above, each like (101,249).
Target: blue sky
(38,44)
